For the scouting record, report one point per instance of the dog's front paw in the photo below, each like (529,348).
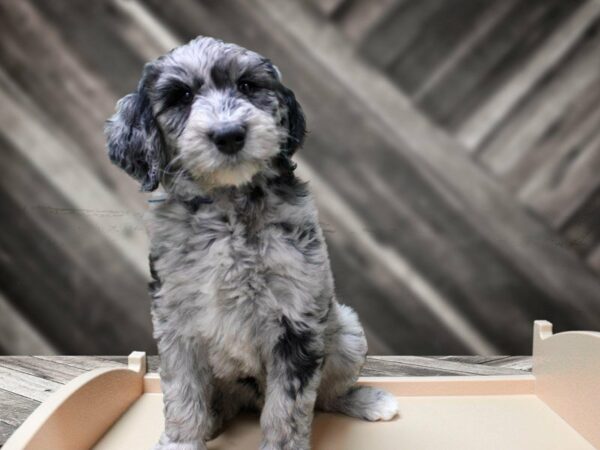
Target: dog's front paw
(383,406)
(167,444)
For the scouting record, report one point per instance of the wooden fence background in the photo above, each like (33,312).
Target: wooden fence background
(454,149)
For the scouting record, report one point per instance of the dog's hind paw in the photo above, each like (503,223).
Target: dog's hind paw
(383,406)
(365,402)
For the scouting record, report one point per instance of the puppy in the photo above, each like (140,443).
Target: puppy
(243,303)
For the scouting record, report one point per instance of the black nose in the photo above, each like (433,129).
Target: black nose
(229,139)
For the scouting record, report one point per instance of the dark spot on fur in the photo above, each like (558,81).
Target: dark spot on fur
(156,283)
(286,227)
(289,188)
(220,75)
(251,383)
(256,194)
(296,349)
(194,204)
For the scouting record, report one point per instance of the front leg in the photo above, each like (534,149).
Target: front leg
(186,382)
(293,376)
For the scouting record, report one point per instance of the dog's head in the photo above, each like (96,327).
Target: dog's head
(214,112)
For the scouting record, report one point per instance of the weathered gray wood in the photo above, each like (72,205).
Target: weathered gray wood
(582,231)
(494,60)
(484,120)
(519,363)
(46,369)
(428,152)
(84,362)
(90,301)
(329,7)
(26,385)
(436,229)
(26,36)
(359,16)
(14,408)
(594,259)
(438,35)
(421,366)
(397,30)
(520,140)
(485,24)
(5,431)
(17,335)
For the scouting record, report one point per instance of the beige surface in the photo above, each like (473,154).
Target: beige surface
(556,408)
(566,367)
(76,417)
(509,422)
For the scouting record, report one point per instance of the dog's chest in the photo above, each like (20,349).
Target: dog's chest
(233,277)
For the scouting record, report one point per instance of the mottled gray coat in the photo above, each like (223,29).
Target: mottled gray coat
(243,302)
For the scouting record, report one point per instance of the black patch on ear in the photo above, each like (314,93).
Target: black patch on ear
(295,123)
(134,140)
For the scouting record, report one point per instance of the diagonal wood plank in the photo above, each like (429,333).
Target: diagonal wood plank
(26,385)
(17,335)
(44,369)
(484,119)
(550,268)
(418,365)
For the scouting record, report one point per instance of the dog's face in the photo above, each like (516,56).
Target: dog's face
(214,112)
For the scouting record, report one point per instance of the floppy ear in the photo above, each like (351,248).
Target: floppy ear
(134,141)
(295,121)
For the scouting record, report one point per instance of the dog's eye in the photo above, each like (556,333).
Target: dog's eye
(246,88)
(179,96)
(185,95)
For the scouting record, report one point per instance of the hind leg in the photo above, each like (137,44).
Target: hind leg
(346,354)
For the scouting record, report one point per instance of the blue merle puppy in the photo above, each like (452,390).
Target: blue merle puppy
(243,302)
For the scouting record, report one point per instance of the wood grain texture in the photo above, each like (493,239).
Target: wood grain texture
(438,252)
(25,381)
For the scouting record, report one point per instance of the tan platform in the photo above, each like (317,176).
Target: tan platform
(555,408)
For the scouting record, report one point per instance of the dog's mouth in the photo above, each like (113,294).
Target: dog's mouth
(231,174)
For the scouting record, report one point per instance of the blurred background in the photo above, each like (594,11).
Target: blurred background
(454,150)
